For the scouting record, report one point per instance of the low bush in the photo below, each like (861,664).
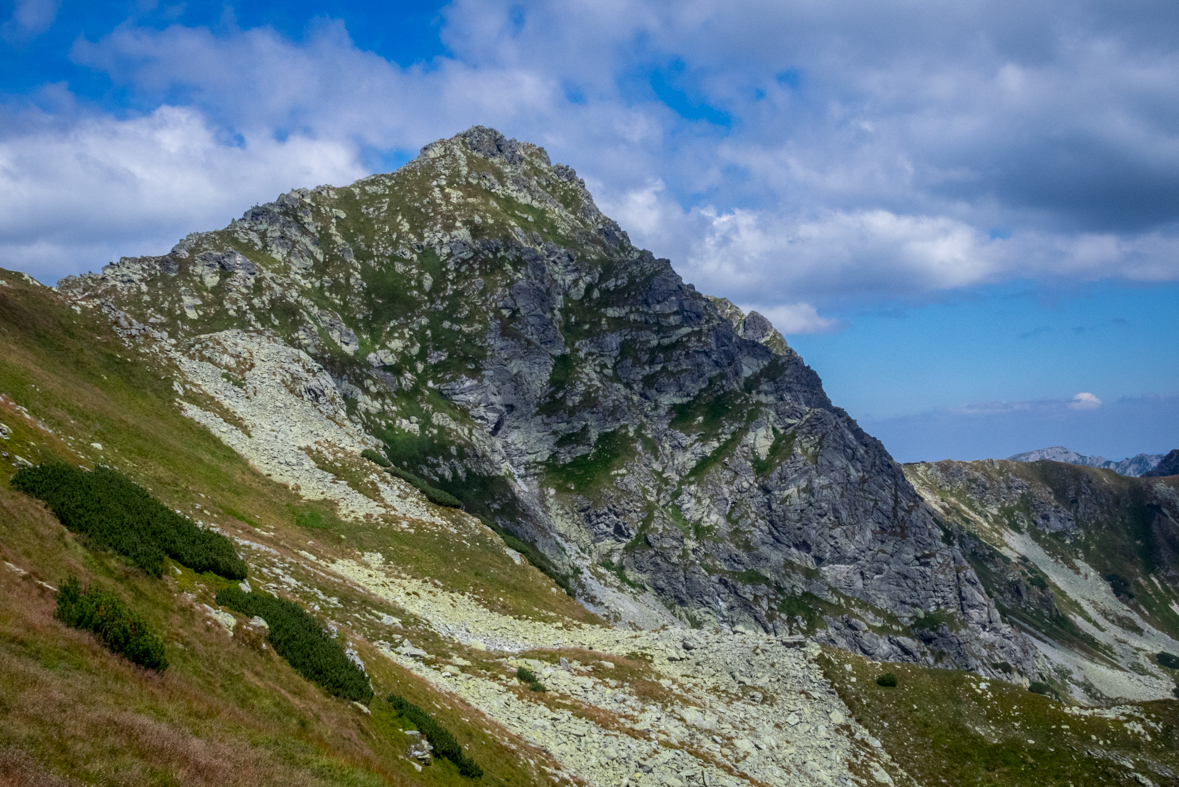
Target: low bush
(1039,687)
(112,622)
(432,493)
(1119,585)
(1168,660)
(297,636)
(439,737)
(373,456)
(116,513)
(527,676)
(888,680)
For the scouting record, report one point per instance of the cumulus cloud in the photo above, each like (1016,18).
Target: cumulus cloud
(79,194)
(797,318)
(1084,401)
(781,154)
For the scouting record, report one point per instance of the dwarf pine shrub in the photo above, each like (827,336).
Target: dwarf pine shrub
(887,680)
(439,737)
(110,620)
(527,676)
(1039,687)
(1169,660)
(373,456)
(432,493)
(299,638)
(118,514)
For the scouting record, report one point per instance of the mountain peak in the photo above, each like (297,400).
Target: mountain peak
(663,455)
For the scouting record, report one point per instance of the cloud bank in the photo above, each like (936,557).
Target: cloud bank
(794,157)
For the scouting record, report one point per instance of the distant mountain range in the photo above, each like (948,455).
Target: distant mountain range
(1135,466)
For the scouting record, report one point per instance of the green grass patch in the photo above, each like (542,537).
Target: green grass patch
(116,513)
(583,471)
(620,572)
(299,638)
(110,620)
(943,727)
(432,493)
(932,621)
(801,606)
(780,450)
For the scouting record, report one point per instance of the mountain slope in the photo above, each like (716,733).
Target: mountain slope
(484,322)
(1083,559)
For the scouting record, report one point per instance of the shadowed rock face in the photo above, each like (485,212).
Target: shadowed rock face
(1169,465)
(667,452)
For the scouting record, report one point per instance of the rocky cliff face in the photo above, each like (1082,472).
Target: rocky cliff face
(480,320)
(1085,560)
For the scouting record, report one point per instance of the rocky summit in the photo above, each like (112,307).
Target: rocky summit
(436,479)
(497,335)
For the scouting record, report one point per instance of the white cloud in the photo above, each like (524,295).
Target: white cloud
(1084,401)
(796,318)
(72,198)
(30,18)
(917,151)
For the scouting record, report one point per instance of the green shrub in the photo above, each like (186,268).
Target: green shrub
(115,512)
(798,607)
(373,456)
(527,676)
(116,626)
(1039,687)
(297,636)
(1169,660)
(432,493)
(888,680)
(439,737)
(1119,585)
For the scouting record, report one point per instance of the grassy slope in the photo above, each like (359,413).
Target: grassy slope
(223,713)
(942,729)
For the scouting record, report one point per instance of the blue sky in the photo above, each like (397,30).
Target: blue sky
(964,216)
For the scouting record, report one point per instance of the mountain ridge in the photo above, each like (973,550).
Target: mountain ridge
(1133,466)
